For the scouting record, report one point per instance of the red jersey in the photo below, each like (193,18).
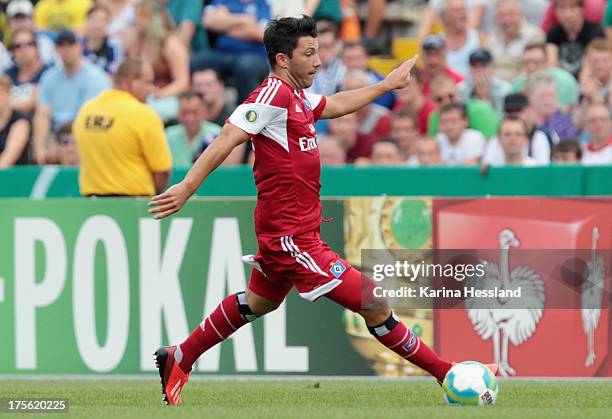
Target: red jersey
(281,123)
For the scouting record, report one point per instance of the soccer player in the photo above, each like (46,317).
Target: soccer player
(279,118)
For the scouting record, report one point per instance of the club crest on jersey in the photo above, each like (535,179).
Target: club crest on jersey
(250,116)
(307,104)
(337,269)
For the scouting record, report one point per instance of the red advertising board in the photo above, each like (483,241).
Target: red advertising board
(568,341)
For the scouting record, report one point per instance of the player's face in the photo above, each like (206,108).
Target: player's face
(305,61)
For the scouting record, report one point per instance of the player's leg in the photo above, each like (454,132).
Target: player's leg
(356,293)
(234,311)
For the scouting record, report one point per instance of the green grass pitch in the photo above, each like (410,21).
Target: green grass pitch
(314,399)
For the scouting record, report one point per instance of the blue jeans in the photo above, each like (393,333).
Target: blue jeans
(246,69)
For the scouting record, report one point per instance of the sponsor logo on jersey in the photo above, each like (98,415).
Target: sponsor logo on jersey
(307,104)
(98,122)
(308,143)
(250,116)
(337,269)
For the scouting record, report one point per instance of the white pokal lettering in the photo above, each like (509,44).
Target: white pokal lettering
(31,294)
(278,357)
(104,230)
(160,288)
(226,276)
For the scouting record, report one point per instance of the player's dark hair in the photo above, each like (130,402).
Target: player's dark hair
(282,35)
(449,107)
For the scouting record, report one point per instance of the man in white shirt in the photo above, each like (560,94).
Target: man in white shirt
(513,137)
(598,127)
(459,145)
(540,142)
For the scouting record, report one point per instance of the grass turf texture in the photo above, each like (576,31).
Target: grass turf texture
(313,399)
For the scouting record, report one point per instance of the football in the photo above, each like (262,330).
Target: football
(470,383)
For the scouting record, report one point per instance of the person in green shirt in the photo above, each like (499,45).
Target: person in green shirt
(193,134)
(481,115)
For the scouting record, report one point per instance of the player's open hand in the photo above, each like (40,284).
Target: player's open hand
(400,76)
(169,202)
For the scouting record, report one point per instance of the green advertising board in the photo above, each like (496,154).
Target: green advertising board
(95,286)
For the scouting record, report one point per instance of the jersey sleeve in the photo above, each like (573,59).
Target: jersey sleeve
(263,108)
(317,102)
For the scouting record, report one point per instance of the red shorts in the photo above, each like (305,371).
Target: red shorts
(302,261)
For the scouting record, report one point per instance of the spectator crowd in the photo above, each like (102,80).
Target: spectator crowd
(517,82)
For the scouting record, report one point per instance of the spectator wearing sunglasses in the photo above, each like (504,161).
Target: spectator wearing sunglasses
(26,72)
(480,115)
(433,55)
(19,13)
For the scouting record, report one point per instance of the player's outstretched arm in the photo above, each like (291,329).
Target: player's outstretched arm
(174,198)
(349,101)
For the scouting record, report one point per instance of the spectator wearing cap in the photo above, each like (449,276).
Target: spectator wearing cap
(412,98)
(461,41)
(238,51)
(14,129)
(19,13)
(482,83)
(535,60)
(332,71)
(509,38)
(433,55)
(459,145)
(540,141)
(513,138)
(57,15)
(63,90)
(194,133)
(567,152)
(480,115)
(374,121)
(598,128)
(98,48)
(596,74)
(355,58)
(208,84)
(542,95)
(568,40)
(26,71)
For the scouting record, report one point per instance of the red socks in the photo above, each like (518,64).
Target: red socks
(396,336)
(229,316)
